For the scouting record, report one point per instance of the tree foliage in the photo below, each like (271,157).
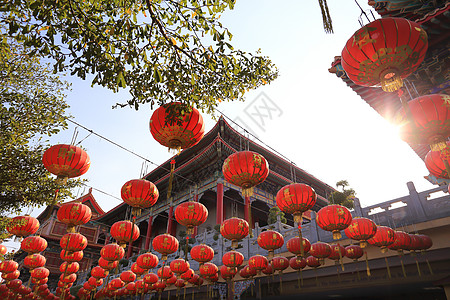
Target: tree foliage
(274,212)
(345,196)
(32,107)
(160,50)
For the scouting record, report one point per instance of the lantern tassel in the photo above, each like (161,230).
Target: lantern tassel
(159,296)
(327,24)
(387,266)
(418,268)
(298,278)
(301,276)
(340,257)
(429,266)
(184,294)
(403,267)
(367,264)
(172,172)
(302,250)
(281,285)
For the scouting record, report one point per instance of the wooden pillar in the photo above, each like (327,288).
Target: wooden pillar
(170,221)
(219,202)
(149,232)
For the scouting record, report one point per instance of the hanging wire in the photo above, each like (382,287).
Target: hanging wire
(90,132)
(363,13)
(74,135)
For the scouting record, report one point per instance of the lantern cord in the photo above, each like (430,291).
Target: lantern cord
(281,285)
(429,266)
(327,24)
(317,280)
(74,136)
(301,277)
(387,266)
(357,273)
(341,261)
(184,294)
(403,267)
(418,268)
(367,264)
(338,273)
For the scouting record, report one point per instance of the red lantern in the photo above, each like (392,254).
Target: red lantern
(180,283)
(208,269)
(69,268)
(8,266)
(73,242)
(196,280)
(361,229)
(11,275)
(334,218)
(293,245)
(94,282)
(280,263)
(384,52)
(14,284)
(34,261)
(98,272)
(401,241)
(429,121)
(140,285)
(137,270)
(165,244)
(258,263)
(227,273)
(268,270)
(33,244)
(191,214)
(416,243)
(140,194)
(312,261)
(382,238)
(74,214)
(188,274)
(427,242)
(39,281)
(23,226)
(131,288)
(165,272)
(150,278)
(297,263)
(337,252)
(233,259)
(202,253)
(147,261)
(354,252)
(245,169)
(70,278)
(124,232)
(127,276)
(179,266)
(159,286)
(247,272)
(112,252)
(40,273)
(107,265)
(184,130)
(23,290)
(234,229)
(66,161)
(71,256)
(320,250)
(295,199)
(270,240)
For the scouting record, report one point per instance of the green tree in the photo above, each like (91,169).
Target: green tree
(274,212)
(160,50)
(183,240)
(343,197)
(32,107)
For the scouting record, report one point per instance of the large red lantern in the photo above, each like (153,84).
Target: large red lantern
(165,244)
(320,250)
(382,238)
(112,252)
(140,194)
(127,276)
(428,121)
(245,169)
(74,214)
(234,229)
(334,218)
(124,232)
(401,241)
(191,214)
(150,278)
(21,226)
(294,246)
(361,229)
(165,272)
(69,268)
(187,275)
(202,253)
(34,261)
(280,263)
(73,242)
(179,266)
(66,161)
(11,275)
(71,256)
(147,261)
(384,52)
(98,272)
(258,263)
(33,244)
(270,240)
(208,269)
(354,252)
(295,199)
(106,264)
(312,261)
(40,273)
(232,259)
(177,126)
(297,263)
(8,266)
(435,164)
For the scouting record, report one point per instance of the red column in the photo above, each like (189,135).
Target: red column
(129,250)
(219,202)
(170,221)
(149,232)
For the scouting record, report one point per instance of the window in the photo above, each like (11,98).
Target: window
(59,228)
(89,233)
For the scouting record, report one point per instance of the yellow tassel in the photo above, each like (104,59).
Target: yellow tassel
(387,266)
(340,257)
(247,192)
(429,267)
(418,268)
(367,264)
(403,267)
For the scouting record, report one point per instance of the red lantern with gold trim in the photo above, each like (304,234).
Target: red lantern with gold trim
(337,252)
(147,261)
(196,280)
(159,286)
(98,272)
(73,242)
(69,278)
(177,126)
(69,268)
(227,273)
(434,161)
(3,250)
(187,275)
(293,245)
(71,256)
(127,276)
(11,275)
(334,218)
(139,194)
(180,283)
(170,281)
(40,273)
(245,169)
(354,252)
(258,263)
(247,272)
(233,259)
(74,214)
(165,272)
(401,241)
(21,226)
(320,250)
(107,265)
(295,199)
(34,261)
(280,263)
(208,269)
(427,242)
(382,238)
(312,261)
(270,240)
(95,282)
(66,161)
(384,52)
(202,253)
(361,229)
(124,232)
(234,229)
(179,266)
(150,278)
(415,244)
(8,266)
(165,244)
(191,214)
(138,270)
(33,244)
(112,252)
(297,263)
(14,284)
(116,284)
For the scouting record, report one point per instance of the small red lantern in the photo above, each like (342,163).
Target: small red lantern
(188,274)
(245,169)
(11,275)
(435,164)
(337,252)
(320,250)
(297,263)
(334,218)
(150,278)
(227,273)
(8,266)
(140,286)
(165,272)
(14,284)
(234,229)
(116,284)
(382,238)
(280,263)
(34,261)
(384,52)
(159,286)
(354,252)
(183,131)
(74,214)
(95,282)
(21,226)
(415,244)
(247,272)
(39,281)
(70,278)
(268,270)
(69,268)
(295,199)
(131,288)
(208,269)
(165,244)
(40,273)
(33,244)
(147,261)
(270,240)
(401,241)
(196,280)
(127,276)
(137,270)
(180,283)
(66,161)
(361,229)
(191,214)
(179,266)
(427,242)
(124,232)
(98,272)
(140,194)
(106,264)
(312,261)
(293,245)
(112,252)
(258,263)
(73,242)
(71,256)
(233,259)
